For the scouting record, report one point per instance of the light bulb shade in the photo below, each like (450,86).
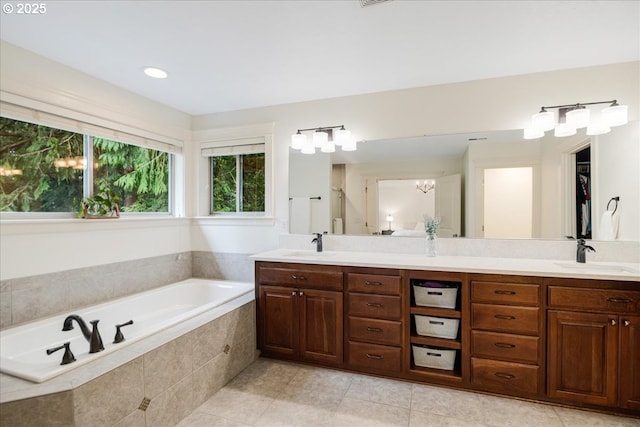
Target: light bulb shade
(564,130)
(543,121)
(298,140)
(616,115)
(533,133)
(351,145)
(598,128)
(328,147)
(308,148)
(343,136)
(578,118)
(320,138)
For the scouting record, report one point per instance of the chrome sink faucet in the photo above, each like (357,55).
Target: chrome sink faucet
(582,249)
(93,337)
(318,241)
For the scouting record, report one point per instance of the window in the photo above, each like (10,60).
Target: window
(238,181)
(43,169)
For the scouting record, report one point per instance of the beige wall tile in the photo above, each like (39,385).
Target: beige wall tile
(50,410)
(111,397)
(170,407)
(167,365)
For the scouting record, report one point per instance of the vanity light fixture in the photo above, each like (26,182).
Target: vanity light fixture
(324,138)
(576,116)
(156,73)
(426,186)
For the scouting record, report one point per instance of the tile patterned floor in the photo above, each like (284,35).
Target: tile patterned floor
(273,393)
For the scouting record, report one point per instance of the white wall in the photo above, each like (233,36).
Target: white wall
(619,175)
(492,104)
(42,246)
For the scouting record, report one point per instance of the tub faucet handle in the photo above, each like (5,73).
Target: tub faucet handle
(119,337)
(95,343)
(68,356)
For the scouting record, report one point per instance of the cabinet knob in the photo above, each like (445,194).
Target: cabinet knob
(612,322)
(300,293)
(627,323)
(293,293)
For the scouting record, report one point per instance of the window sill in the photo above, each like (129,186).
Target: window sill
(214,220)
(55,225)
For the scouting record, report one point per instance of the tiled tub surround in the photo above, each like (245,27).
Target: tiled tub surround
(22,347)
(26,299)
(176,370)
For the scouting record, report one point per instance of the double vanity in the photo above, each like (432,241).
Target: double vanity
(544,330)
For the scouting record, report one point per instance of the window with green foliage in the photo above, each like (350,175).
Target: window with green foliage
(238,183)
(43,169)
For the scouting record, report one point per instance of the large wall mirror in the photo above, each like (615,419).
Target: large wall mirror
(481,185)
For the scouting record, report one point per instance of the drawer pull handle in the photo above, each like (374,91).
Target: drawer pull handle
(375,356)
(503,317)
(504,376)
(620,300)
(499,292)
(373,283)
(374,304)
(370,329)
(434,293)
(504,345)
(294,277)
(627,323)
(612,322)
(434,354)
(435,322)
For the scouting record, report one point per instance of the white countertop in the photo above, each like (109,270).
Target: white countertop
(468,264)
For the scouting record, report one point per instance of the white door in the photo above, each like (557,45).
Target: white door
(449,205)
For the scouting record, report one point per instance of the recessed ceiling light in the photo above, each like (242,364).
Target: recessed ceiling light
(156,73)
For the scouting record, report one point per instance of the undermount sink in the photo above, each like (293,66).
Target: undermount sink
(597,267)
(307,254)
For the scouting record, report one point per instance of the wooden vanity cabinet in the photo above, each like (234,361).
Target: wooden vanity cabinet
(374,321)
(507,338)
(594,342)
(569,341)
(300,312)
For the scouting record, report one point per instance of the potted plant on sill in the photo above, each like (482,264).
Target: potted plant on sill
(102,205)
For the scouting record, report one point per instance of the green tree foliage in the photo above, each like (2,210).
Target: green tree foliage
(231,182)
(32,150)
(139,176)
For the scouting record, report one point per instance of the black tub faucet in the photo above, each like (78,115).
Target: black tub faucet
(582,249)
(93,336)
(318,241)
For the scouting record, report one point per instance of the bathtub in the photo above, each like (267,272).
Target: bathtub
(23,348)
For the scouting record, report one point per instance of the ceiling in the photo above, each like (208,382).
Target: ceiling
(231,55)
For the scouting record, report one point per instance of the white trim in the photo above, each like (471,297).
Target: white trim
(227,137)
(20,108)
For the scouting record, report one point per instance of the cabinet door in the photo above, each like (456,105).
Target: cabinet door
(583,357)
(279,320)
(321,320)
(630,362)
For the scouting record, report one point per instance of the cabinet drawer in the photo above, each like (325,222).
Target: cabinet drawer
(301,277)
(505,293)
(375,330)
(373,283)
(375,357)
(610,300)
(517,348)
(507,377)
(380,306)
(504,318)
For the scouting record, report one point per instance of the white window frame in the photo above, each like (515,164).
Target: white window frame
(19,108)
(211,140)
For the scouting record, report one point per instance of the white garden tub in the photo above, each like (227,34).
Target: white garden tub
(23,348)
